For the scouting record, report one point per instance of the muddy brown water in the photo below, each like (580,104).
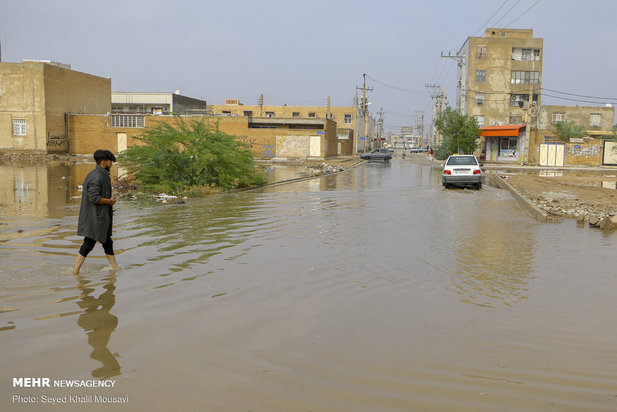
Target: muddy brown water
(371,290)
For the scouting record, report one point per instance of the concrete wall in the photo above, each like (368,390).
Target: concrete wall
(69,91)
(22,96)
(41,94)
(580,115)
(589,152)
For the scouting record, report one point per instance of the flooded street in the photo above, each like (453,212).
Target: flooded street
(370,290)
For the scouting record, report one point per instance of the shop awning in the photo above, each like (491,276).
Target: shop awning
(509,130)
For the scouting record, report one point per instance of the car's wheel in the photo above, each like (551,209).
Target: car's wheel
(479,186)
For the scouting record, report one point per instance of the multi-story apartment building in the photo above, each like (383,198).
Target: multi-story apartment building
(499,81)
(499,74)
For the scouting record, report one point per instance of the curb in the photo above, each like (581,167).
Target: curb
(299,179)
(538,213)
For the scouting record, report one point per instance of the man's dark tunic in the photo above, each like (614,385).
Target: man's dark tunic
(95,221)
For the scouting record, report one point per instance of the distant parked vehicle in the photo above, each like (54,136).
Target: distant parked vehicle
(377,154)
(462,170)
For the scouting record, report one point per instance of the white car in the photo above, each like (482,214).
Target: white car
(462,170)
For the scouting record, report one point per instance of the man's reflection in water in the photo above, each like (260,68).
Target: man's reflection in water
(99,324)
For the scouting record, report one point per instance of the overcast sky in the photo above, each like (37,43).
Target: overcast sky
(301,52)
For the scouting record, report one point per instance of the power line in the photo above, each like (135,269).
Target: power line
(490,18)
(575,100)
(508,12)
(397,114)
(532,6)
(396,88)
(580,95)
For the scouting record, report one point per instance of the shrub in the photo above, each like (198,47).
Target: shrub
(189,154)
(569,130)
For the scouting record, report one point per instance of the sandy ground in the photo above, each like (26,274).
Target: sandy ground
(572,194)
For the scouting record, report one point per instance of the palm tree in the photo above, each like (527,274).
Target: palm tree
(569,130)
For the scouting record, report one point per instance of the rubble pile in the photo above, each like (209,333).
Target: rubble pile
(567,205)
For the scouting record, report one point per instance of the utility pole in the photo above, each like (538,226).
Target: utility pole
(328,113)
(461,106)
(380,131)
(420,127)
(438,109)
(529,112)
(261,105)
(363,107)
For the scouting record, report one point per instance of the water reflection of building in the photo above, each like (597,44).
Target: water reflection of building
(99,324)
(42,189)
(492,261)
(33,189)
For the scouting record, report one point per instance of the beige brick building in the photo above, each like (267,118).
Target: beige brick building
(266,137)
(591,149)
(34,97)
(346,118)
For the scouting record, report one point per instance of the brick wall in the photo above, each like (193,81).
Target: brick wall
(88,133)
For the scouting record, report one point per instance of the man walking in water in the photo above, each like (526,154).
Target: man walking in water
(96,212)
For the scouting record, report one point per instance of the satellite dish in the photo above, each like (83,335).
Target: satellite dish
(609,105)
(177,91)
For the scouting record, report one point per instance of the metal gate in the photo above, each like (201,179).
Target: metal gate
(552,154)
(610,153)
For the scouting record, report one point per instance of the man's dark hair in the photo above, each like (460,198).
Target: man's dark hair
(101,155)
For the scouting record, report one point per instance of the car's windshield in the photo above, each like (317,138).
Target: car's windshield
(462,160)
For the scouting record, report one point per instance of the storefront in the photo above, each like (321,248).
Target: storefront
(502,143)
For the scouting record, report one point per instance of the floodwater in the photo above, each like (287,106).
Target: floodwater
(370,290)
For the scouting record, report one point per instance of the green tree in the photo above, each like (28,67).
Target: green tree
(460,133)
(190,154)
(569,130)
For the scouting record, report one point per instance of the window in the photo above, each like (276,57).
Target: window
(19,127)
(127,120)
(462,160)
(559,117)
(312,114)
(479,120)
(479,99)
(248,113)
(269,114)
(481,52)
(228,112)
(595,119)
(525,55)
(522,77)
(480,75)
(536,54)
(295,114)
(518,100)
(347,118)
(508,147)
